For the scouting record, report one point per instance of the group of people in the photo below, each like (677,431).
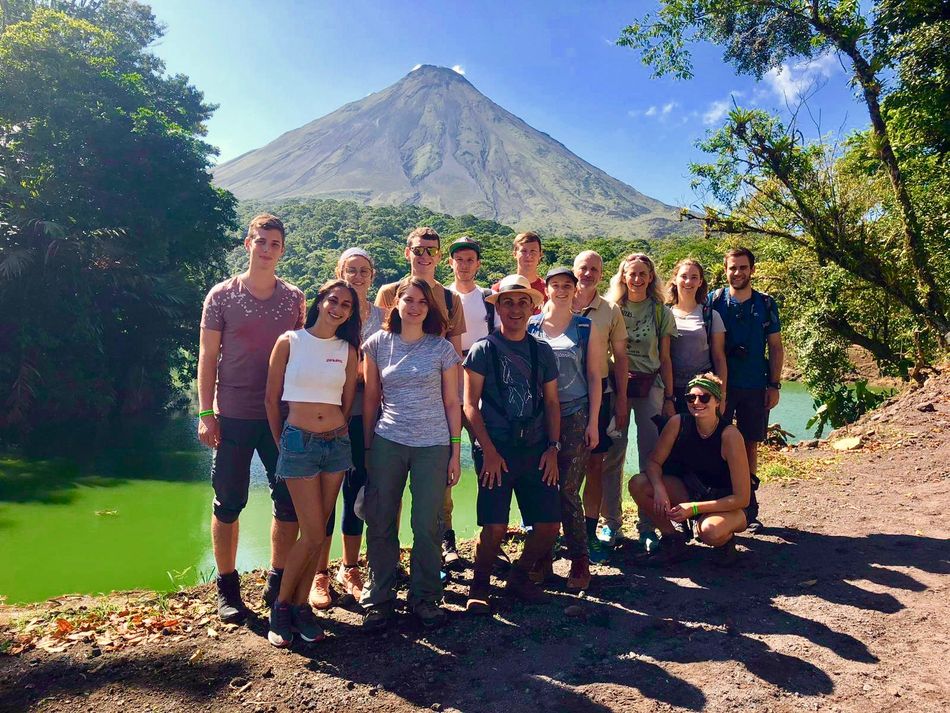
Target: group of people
(542,372)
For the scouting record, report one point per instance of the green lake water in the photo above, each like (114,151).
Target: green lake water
(134,512)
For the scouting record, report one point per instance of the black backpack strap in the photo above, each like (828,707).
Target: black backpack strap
(489,310)
(496,367)
(449,302)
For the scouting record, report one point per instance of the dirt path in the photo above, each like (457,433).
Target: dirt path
(840,606)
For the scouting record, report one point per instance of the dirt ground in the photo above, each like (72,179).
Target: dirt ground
(840,605)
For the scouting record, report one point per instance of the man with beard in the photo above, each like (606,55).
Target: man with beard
(752,327)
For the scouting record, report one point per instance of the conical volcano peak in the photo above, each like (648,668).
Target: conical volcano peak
(433,139)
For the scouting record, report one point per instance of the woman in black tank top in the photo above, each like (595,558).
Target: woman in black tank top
(698,471)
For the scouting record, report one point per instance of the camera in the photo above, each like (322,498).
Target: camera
(739,351)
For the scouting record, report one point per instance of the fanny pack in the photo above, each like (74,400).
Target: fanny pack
(639,384)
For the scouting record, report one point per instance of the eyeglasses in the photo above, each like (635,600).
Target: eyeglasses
(354,271)
(419,251)
(703,398)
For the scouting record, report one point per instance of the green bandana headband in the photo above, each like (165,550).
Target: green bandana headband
(707,384)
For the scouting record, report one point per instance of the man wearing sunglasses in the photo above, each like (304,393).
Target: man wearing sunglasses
(423,252)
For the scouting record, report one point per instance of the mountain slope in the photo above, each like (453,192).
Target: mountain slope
(432,139)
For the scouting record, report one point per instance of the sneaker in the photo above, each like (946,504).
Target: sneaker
(726,555)
(755,527)
(350,579)
(649,541)
(320,591)
(430,614)
(272,587)
(520,586)
(450,555)
(579,578)
(479,599)
(597,551)
(305,623)
(670,550)
(231,607)
(279,633)
(378,617)
(608,536)
(685,529)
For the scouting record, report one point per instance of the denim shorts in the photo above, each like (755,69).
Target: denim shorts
(304,454)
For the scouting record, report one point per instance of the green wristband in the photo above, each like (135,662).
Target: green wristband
(695,509)
(209,412)
(455,439)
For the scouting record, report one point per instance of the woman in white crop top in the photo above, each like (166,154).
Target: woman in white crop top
(314,370)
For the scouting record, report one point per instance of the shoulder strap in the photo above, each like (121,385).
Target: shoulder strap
(583,336)
(657,317)
(449,301)
(716,296)
(708,321)
(496,367)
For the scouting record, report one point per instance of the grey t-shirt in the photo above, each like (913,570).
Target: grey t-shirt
(372,325)
(516,395)
(413,412)
(689,351)
(572,389)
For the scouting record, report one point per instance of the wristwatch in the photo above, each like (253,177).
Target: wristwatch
(777,385)
(556,445)
(669,398)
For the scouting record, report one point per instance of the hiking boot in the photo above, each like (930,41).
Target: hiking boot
(430,614)
(755,526)
(543,570)
(304,622)
(479,598)
(685,530)
(672,549)
(450,555)
(649,541)
(231,607)
(280,633)
(579,578)
(379,616)
(608,536)
(520,586)
(597,551)
(349,578)
(320,591)
(272,587)
(726,555)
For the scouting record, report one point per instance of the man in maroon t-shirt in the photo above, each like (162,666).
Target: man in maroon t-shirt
(526,250)
(241,320)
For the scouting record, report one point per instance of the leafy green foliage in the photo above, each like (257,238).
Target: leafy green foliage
(845,405)
(110,231)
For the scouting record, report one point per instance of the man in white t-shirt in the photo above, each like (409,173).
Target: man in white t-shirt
(465,258)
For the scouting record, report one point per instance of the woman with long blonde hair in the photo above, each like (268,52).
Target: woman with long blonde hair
(636,289)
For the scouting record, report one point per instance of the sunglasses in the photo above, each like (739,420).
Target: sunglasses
(702,398)
(419,251)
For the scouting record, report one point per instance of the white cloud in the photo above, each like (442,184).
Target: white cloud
(716,111)
(459,68)
(791,82)
(650,112)
(415,68)
(668,107)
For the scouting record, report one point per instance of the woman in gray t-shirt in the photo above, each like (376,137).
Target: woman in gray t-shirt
(411,375)
(701,344)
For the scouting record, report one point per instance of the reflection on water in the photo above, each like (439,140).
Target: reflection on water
(134,513)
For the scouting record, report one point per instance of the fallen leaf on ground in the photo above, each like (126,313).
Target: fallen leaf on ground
(808,583)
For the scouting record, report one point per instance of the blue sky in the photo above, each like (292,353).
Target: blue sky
(273,66)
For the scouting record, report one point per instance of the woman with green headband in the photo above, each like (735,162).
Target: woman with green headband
(698,471)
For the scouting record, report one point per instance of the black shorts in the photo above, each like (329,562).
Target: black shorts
(748,408)
(603,420)
(231,470)
(538,501)
(700,493)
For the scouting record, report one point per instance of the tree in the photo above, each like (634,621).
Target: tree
(110,230)
(758,35)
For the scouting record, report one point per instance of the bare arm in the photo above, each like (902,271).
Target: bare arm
(595,357)
(275,385)
(666,374)
(493,464)
(453,415)
(349,386)
(372,395)
(621,376)
(776,362)
(718,349)
(209,350)
(456,342)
